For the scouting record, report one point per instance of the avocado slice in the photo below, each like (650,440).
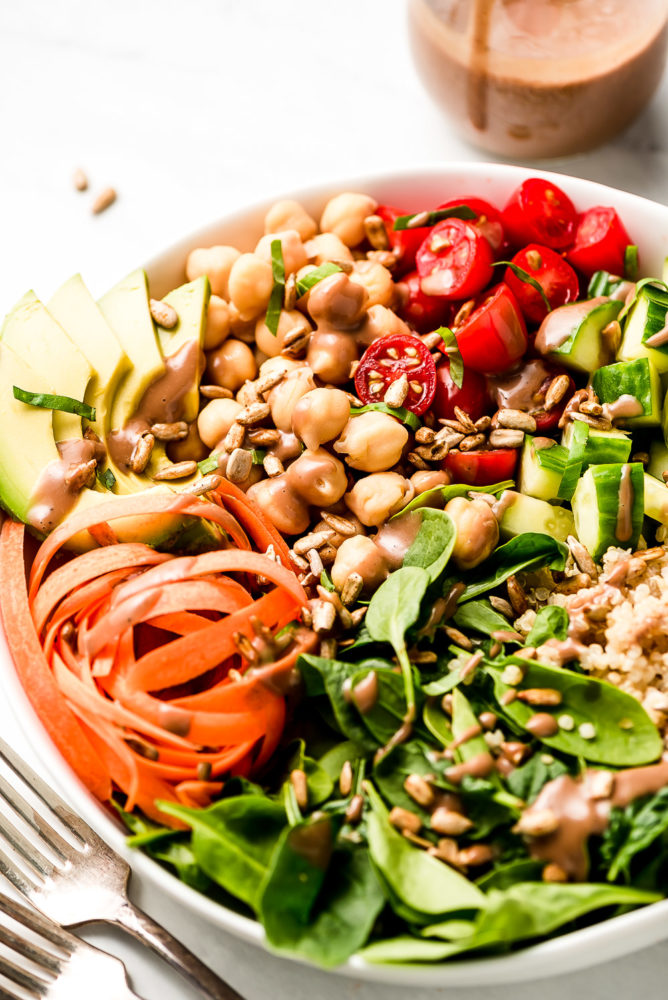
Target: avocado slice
(43,345)
(191,302)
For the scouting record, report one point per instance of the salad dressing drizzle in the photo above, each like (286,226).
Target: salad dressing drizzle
(54,497)
(624,527)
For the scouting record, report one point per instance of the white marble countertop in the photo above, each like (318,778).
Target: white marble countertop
(189,109)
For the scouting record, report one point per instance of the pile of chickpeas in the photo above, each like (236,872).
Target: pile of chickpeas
(327,479)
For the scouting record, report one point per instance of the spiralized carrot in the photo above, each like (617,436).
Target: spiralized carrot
(154,673)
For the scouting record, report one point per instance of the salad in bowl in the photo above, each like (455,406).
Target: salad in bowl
(346,577)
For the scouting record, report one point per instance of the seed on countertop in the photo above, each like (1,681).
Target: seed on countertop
(180,470)
(80,180)
(163,314)
(104,200)
(403,819)
(215,392)
(176,431)
(419,789)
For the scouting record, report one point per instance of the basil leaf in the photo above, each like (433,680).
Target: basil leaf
(417,220)
(524,276)
(209,464)
(529,550)
(631,262)
(400,412)
(433,543)
(277,296)
(603,283)
(258,455)
(453,353)
(306,283)
(48,401)
(551,623)
(106,478)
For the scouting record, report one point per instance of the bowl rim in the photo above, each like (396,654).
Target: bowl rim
(574,950)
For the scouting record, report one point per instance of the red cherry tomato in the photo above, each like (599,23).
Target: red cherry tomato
(386,360)
(472,397)
(557,279)
(600,242)
(540,212)
(404,242)
(423,312)
(481,468)
(454,261)
(494,336)
(488,222)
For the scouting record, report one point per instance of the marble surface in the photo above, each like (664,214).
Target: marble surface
(188,110)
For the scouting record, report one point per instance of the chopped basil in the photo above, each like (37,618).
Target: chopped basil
(209,464)
(306,283)
(278,291)
(416,220)
(106,479)
(47,401)
(631,262)
(603,283)
(326,581)
(454,355)
(523,275)
(259,455)
(400,412)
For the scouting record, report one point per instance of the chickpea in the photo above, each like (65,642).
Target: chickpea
(374,499)
(372,441)
(290,320)
(243,329)
(288,214)
(376,279)
(330,355)
(318,477)
(217,323)
(281,504)
(284,397)
(320,416)
(428,479)
(381,322)
(215,420)
(188,449)
(326,246)
(250,284)
(294,254)
(359,555)
(279,363)
(477,531)
(339,302)
(345,214)
(286,448)
(216,262)
(231,364)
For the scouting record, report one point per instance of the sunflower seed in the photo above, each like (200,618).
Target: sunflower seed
(239,465)
(471,442)
(556,391)
(263,437)
(324,616)
(598,423)
(80,180)
(376,233)
(314,540)
(581,555)
(80,474)
(215,392)
(268,381)
(180,470)
(404,819)
(419,789)
(163,314)
(141,453)
(464,419)
(397,392)
(352,589)
(346,779)
(205,485)
(506,438)
(517,420)
(253,414)
(449,823)
(341,525)
(300,787)
(176,431)
(234,437)
(540,696)
(272,466)
(103,201)
(537,823)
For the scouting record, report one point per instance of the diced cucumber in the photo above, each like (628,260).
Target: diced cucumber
(646,318)
(572,334)
(525,513)
(658,459)
(602,447)
(535,479)
(656,499)
(603,283)
(634,382)
(609,506)
(575,460)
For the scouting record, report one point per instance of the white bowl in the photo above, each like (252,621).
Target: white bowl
(422,187)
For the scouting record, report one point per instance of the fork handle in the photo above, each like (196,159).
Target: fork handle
(164,944)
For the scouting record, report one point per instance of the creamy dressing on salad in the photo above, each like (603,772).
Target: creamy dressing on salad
(57,488)
(625,405)
(396,536)
(559,324)
(624,527)
(519,390)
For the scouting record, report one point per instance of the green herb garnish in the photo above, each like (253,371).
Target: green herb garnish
(277,296)
(209,464)
(453,353)
(400,412)
(631,262)
(259,455)
(416,220)
(523,275)
(106,478)
(603,283)
(553,459)
(306,283)
(48,401)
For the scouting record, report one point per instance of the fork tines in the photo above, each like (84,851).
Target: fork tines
(50,962)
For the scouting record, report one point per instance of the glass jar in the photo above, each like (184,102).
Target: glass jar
(539,78)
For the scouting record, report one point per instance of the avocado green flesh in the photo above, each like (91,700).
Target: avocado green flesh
(656,499)
(190,302)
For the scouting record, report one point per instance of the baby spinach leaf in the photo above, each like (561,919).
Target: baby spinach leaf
(323,676)
(463,720)
(451,350)
(319,784)
(624,733)
(506,875)
(421,882)
(643,822)
(405,948)
(433,543)
(529,550)
(437,722)
(332,761)
(394,607)
(439,495)
(527,780)
(389,709)
(171,847)
(233,840)
(480,616)
(551,623)
(390,773)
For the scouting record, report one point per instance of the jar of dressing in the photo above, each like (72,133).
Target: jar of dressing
(539,78)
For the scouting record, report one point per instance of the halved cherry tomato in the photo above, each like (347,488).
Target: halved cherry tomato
(600,242)
(454,261)
(472,397)
(481,468)
(494,336)
(488,222)
(424,312)
(540,212)
(548,420)
(404,242)
(525,389)
(386,360)
(557,279)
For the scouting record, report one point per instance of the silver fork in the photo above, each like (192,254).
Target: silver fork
(60,965)
(82,880)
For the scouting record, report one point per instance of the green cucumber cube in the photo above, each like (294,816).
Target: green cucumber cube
(524,513)
(638,382)
(646,318)
(609,507)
